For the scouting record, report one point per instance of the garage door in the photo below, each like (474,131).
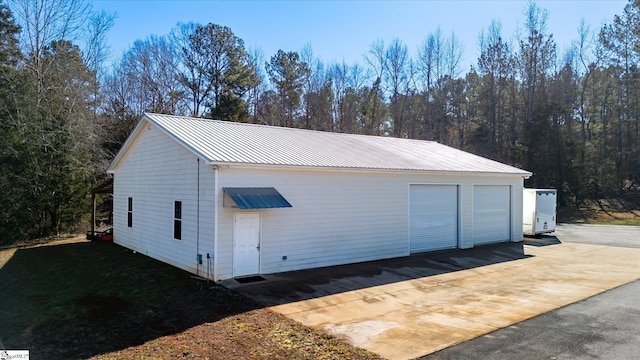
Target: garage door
(433,217)
(491,214)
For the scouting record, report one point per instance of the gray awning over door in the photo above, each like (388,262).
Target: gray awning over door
(255,198)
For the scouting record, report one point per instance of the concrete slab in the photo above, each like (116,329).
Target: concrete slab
(604,326)
(410,307)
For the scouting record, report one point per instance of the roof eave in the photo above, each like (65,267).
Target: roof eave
(222,164)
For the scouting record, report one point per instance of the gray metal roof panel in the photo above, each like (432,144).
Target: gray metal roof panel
(241,143)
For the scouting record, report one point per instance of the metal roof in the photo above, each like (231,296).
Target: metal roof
(224,142)
(256,197)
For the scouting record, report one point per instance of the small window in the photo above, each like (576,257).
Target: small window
(177,220)
(130,213)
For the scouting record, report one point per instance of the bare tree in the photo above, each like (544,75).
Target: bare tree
(339,74)
(585,66)
(96,51)
(256,61)
(152,62)
(357,76)
(44,21)
(495,66)
(453,56)
(430,59)
(397,60)
(377,58)
(397,78)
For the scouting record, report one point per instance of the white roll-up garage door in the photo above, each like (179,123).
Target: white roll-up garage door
(433,217)
(491,214)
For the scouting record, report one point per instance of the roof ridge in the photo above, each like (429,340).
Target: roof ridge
(235,123)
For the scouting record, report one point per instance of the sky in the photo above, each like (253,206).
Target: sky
(344,30)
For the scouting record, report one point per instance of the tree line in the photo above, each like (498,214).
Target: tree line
(571,117)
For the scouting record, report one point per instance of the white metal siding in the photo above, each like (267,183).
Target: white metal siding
(491,214)
(433,217)
(156,172)
(337,217)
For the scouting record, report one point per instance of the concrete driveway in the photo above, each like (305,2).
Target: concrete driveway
(611,235)
(410,307)
(604,326)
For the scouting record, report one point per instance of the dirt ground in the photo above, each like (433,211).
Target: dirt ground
(76,299)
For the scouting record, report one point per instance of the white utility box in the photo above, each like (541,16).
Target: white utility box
(538,211)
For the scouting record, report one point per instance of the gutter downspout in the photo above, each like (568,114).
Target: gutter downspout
(198,257)
(215,223)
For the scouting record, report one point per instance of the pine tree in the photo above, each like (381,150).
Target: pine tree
(9,158)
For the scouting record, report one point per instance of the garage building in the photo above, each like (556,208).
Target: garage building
(223,200)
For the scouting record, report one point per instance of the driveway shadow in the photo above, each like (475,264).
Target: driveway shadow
(543,240)
(300,285)
(82,299)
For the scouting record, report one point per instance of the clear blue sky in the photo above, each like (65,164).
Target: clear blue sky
(343,30)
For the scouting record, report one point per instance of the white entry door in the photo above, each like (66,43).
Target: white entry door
(246,244)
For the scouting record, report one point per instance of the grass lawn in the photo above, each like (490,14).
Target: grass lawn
(76,299)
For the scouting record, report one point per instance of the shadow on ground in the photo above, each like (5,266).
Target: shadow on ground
(542,240)
(300,285)
(83,299)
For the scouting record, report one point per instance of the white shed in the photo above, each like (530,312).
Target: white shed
(223,199)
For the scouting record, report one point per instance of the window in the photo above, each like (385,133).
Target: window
(130,213)
(177,220)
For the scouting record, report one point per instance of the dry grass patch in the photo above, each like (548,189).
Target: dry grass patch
(612,212)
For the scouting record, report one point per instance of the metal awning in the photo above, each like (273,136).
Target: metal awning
(255,198)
